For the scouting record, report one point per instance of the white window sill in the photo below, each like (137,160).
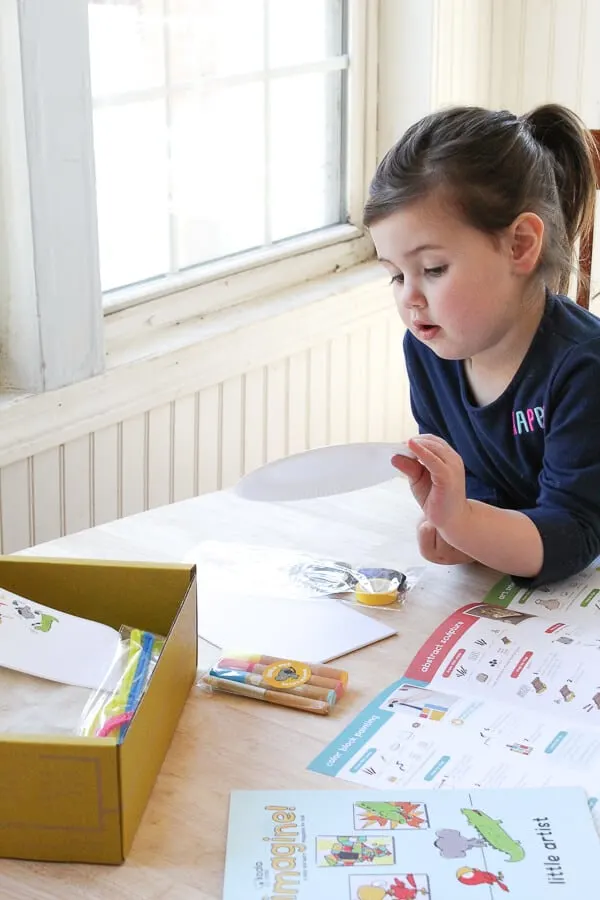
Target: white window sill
(237,274)
(212,307)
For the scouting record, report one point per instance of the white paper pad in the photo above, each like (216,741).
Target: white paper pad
(322,472)
(50,644)
(309,630)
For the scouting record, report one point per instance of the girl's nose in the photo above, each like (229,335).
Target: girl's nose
(412,297)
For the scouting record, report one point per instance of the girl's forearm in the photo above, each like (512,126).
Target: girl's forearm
(502,539)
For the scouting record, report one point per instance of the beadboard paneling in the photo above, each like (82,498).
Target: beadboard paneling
(347,387)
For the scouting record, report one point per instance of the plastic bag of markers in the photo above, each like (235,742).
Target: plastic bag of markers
(110,709)
(230,567)
(307,687)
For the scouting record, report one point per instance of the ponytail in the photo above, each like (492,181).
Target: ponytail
(575,158)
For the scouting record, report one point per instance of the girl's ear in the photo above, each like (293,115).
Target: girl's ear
(526,239)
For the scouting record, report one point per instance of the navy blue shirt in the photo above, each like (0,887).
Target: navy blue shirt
(536,448)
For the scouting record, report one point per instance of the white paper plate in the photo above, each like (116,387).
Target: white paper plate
(322,472)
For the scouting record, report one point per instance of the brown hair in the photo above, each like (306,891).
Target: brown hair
(494,166)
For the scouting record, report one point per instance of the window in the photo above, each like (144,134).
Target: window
(191,152)
(218,128)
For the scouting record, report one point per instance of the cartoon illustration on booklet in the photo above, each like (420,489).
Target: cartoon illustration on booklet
(364,845)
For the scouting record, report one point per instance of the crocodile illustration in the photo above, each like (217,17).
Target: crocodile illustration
(493,833)
(46,622)
(395,813)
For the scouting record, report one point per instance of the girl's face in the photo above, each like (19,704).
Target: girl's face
(455,287)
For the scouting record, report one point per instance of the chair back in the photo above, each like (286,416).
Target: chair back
(587,245)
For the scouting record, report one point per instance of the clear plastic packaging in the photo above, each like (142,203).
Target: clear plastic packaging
(368,586)
(110,709)
(310,687)
(225,567)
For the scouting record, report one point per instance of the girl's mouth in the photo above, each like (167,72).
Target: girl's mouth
(425,332)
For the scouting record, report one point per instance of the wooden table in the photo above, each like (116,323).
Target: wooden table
(224,743)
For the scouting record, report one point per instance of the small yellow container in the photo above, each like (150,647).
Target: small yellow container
(380,596)
(385,586)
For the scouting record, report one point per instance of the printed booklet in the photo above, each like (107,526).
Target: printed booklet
(497,697)
(411,845)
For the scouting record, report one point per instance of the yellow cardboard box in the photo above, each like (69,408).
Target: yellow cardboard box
(81,799)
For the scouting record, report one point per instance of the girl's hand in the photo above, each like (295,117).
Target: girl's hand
(437,481)
(503,539)
(435,549)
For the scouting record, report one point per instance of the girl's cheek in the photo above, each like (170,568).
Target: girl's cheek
(403,313)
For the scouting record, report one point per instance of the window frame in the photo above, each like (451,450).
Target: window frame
(52,311)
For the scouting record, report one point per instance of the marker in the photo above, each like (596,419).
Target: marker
(280,698)
(316,680)
(115,722)
(232,673)
(118,701)
(140,679)
(337,675)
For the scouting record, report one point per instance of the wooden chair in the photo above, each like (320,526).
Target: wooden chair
(585,250)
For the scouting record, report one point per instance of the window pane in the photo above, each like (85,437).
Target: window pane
(215,37)
(131,179)
(303,31)
(201,151)
(306,141)
(218,162)
(126,45)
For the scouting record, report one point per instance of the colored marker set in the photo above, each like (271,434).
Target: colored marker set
(299,685)
(108,714)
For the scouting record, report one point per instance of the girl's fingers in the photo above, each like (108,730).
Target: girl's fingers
(430,457)
(436,455)
(426,536)
(417,474)
(410,467)
(432,444)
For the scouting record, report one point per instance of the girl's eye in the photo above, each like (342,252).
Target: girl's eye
(436,271)
(397,279)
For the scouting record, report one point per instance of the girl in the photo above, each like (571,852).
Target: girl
(475,214)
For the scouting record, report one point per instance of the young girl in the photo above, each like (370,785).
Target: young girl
(475,215)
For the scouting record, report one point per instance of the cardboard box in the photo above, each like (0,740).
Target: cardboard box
(72,799)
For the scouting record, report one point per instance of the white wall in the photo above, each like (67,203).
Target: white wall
(464,36)
(498,53)
(516,54)
(431,53)
(406,50)
(547,50)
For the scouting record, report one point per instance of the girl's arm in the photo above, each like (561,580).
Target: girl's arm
(502,539)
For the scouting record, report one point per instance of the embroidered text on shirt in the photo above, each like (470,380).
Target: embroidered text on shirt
(530,419)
